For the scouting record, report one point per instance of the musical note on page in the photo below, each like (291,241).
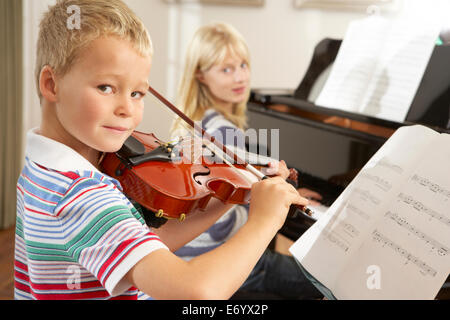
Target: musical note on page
(385,241)
(436,247)
(379,67)
(366,195)
(387,164)
(434,187)
(419,206)
(379,181)
(395,215)
(358,211)
(336,239)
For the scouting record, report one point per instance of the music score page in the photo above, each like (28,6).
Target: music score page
(379,67)
(388,235)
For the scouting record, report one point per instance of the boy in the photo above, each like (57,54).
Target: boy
(77,236)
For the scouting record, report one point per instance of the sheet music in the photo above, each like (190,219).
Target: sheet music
(318,211)
(394,216)
(379,67)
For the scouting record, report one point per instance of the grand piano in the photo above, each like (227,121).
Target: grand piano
(329,146)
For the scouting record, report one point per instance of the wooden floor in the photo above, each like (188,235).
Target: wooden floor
(6,263)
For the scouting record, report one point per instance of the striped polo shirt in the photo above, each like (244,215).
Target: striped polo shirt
(77,235)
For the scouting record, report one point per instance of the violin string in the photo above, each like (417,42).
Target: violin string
(216,150)
(210,138)
(189,139)
(213,148)
(259,159)
(228,162)
(191,143)
(186,119)
(208,144)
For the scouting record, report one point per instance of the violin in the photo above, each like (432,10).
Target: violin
(155,177)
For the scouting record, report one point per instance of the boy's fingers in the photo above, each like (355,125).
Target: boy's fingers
(277,180)
(295,196)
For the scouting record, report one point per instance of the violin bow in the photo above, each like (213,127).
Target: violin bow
(206,135)
(306,211)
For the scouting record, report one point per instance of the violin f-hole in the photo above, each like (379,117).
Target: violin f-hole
(205,173)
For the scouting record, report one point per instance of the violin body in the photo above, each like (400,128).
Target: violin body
(159,182)
(155,176)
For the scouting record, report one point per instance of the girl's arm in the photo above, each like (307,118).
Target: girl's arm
(176,234)
(218,273)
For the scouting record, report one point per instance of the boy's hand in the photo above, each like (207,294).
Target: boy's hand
(270,201)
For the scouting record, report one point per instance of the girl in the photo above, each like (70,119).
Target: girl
(214,89)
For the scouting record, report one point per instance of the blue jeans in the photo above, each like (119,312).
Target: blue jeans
(278,276)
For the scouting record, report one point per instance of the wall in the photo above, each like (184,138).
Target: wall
(281,40)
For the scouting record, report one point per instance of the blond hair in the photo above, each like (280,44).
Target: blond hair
(58,45)
(210,45)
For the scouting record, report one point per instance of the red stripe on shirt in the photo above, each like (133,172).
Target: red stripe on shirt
(118,251)
(79,195)
(22,287)
(39,186)
(71,175)
(38,212)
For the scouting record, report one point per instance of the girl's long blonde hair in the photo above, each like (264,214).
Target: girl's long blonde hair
(210,45)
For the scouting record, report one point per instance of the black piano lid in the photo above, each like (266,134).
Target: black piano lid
(260,96)
(315,124)
(430,106)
